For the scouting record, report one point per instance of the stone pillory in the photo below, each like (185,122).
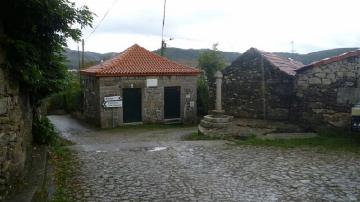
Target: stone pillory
(259,84)
(139,86)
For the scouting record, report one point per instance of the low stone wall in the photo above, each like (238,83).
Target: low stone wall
(15,134)
(325,94)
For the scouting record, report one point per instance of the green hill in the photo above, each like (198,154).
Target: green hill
(90,58)
(315,56)
(190,56)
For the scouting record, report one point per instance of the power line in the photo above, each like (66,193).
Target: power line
(102,19)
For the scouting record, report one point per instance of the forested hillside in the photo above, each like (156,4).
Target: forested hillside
(315,56)
(190,56)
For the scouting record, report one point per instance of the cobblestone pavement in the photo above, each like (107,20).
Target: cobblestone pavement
(130,169)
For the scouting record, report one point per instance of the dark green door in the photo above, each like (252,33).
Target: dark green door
(132,105)
(172,102)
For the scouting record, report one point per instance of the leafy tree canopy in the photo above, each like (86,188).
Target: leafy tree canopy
(210,61)
(35,33)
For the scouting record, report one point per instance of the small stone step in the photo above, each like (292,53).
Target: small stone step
(207,124)
(218,119)
(172,121)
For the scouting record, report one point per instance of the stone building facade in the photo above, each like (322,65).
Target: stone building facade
(15,132)
(326,90)
(164,90)
(259,85)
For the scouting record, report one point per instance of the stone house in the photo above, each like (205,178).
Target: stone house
(139,86)
(326,90)
(259,84)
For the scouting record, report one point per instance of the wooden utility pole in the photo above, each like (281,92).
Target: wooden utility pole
(82,56)
(163,45)
(79,58)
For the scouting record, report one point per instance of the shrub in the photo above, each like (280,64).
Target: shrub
(44,131)
(69,99)
(202,96)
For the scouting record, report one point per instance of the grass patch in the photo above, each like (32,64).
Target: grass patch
(329,139)
(198,136)
(64,167)
(147,127)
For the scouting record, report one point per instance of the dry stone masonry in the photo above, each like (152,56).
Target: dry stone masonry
(148,88)
(259,85)
(152,102)
(326,92)
(15,133)
(263,85)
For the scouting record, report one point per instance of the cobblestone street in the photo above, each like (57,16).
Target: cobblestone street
(157,166)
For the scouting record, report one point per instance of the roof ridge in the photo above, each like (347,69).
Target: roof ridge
(287,65)
(332,59)
(137,60)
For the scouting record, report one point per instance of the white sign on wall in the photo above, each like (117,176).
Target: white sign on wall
(192,104)
(113,104)
(112,98)
(151,82)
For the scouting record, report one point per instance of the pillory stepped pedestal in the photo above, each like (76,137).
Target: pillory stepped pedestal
(217,123)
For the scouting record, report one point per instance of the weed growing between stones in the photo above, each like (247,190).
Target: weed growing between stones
(198,136)
(63,162)
(64,166)
(147,127)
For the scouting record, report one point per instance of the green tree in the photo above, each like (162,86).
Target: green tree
(35,34)
(202,96)
(210,61)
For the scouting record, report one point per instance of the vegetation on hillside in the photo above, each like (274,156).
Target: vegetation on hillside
(182,56)
(315,56)
(190,56)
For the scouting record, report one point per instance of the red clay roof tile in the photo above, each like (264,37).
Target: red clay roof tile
(331,60)
(137,61)
(287,65)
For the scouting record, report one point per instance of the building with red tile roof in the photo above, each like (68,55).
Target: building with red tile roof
(287,65)
(139,86)
(329,60)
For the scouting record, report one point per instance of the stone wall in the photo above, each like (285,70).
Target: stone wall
(243,92)
(15,133)
(152,98)
(91,102)
(325,94)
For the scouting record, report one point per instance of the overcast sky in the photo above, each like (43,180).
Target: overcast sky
(236,25)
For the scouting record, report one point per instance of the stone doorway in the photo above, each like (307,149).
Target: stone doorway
(132,105)
(172,102)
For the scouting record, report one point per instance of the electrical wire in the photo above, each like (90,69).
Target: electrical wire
(102,19)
